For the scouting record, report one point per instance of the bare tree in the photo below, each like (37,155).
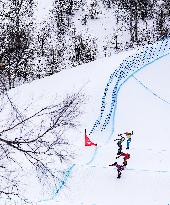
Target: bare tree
(37,138)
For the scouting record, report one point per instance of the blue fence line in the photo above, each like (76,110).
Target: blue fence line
(126,81)
(103,106)
(61,184)
(127,68)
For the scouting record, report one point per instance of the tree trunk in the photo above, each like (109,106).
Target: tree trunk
(136,23)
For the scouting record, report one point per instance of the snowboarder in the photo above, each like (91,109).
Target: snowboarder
(119,143)
(128,135)
(120,168)
(125,156)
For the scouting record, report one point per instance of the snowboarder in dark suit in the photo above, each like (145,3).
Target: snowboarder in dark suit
(119,143)
(120,168)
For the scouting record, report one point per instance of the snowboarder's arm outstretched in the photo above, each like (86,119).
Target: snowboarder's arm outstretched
(114,164)
(118,156)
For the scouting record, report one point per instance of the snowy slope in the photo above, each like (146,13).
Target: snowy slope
(143,106)
(89,78)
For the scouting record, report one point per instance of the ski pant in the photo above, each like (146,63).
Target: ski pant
(128,143)
(119,173)
(125,162)
(119,150)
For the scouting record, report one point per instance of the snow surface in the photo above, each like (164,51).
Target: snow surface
(142,104)
(145,108)
(42,10)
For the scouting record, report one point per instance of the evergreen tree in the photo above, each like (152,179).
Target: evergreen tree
(94,10)
(136,10)
(16,40)
(84,50)
(62,14)
(161,16)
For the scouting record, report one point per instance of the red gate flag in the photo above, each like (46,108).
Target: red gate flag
(88,142)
